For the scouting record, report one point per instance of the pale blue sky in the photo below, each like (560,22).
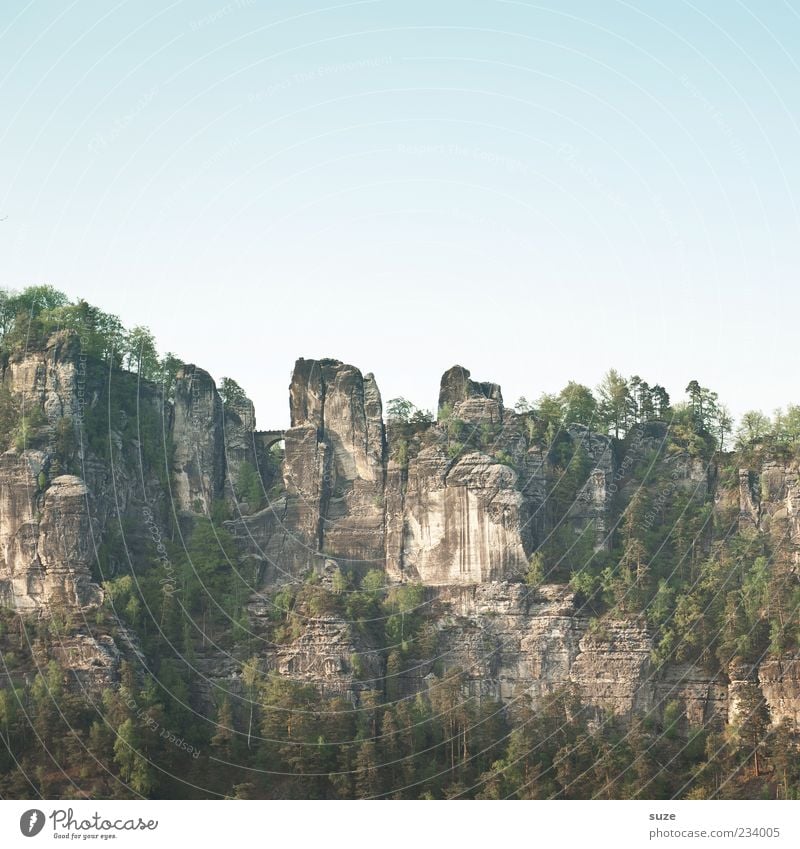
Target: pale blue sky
(535,191)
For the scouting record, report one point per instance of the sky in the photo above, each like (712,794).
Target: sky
(536,191)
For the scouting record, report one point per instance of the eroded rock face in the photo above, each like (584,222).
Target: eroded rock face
(592,508)
(66,545)
(238,423)
(612,670)
(51,377)
(462,522)
(334,461)
(330,655)
(511,640)
(46,538)
(703,698)
(779,679)
(465,399)
(198,436)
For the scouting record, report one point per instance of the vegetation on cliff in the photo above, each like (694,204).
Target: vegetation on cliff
(195,711)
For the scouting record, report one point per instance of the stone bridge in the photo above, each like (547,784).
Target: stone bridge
(267,438)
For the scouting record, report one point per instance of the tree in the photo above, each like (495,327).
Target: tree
(399,410)
(752,723)
(249,487)
(614,402)
(660,400)
(134,766)
(703,405)
(724,424)
(101,334)
(251,676)
(754,427)
(231,393)
(783,754)
(577,404)
(140,352)
(637,390)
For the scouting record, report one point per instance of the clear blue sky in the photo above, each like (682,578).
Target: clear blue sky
(535,191)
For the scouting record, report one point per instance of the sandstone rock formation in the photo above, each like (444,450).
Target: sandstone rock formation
(198,464)
(465,399)
(459,505)
(46,537)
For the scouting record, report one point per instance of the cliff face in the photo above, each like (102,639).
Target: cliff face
(461,522)
(459,505)
(198,463)
(46,538)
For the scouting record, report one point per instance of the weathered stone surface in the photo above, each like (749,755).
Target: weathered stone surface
(703,698)
(779,679)
(51,377)
(592,508)
(334,468)
(330,655)
(460,514)
(46,538)
(238,424)
(510,640)
(612,670)
(93,661)
(21,572)
(461,521)
(465,399)
(197,433)
(65,546)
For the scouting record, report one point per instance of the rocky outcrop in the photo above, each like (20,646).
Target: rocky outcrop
(511,641)
(702,698)
(612,670)
(51,377)
(198,437)
(331,655)
(46,537)
(465,399)
(65,546)
(461,521)
(592,508)
(238,424)
(779,679)
(458,505)
(20,574)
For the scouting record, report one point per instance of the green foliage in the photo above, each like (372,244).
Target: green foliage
(249,487)
(577,404)
(536,572)
(399,410)
(231,393)
(29,430)
(9,415)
